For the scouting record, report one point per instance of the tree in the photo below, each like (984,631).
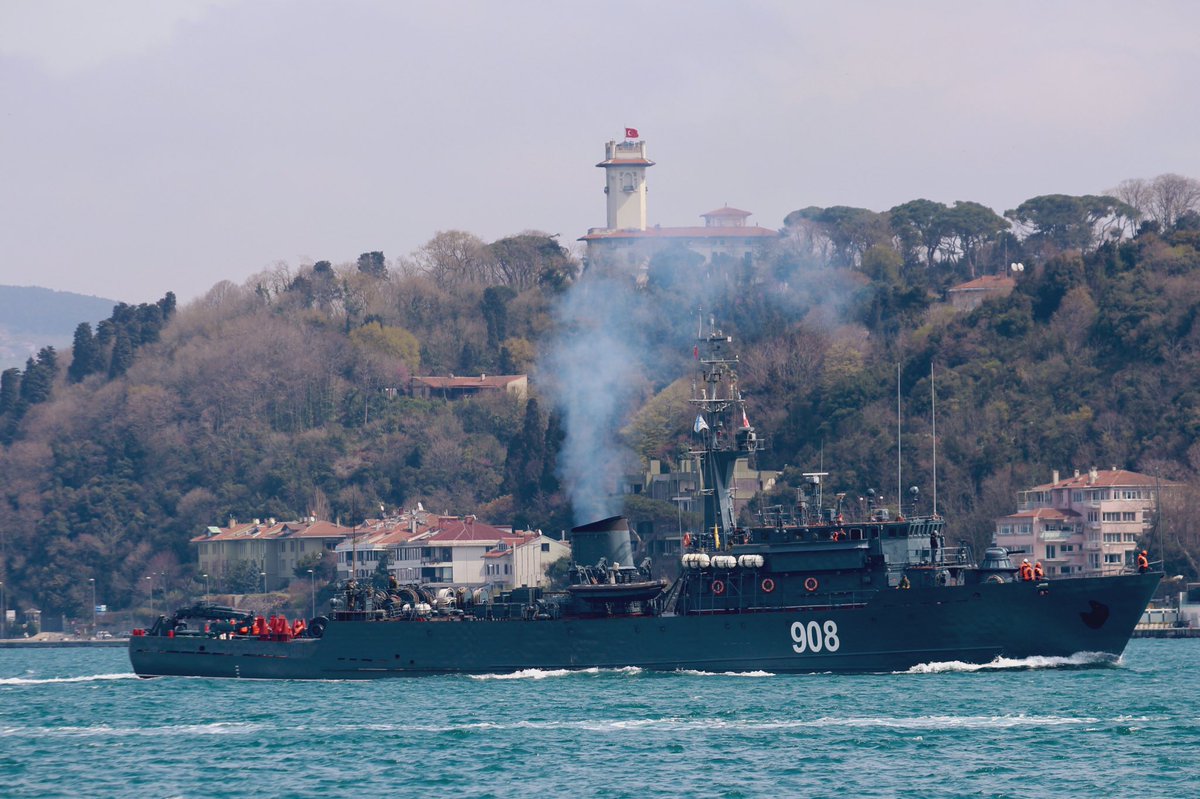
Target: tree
(531,259)
(972,225)
(494,307)
(373,264)
(454,258)
(38,379)
(523,464)
(86,356)
(1171,196)
(122,355)
(920,223)
(10,389)
(851,231)
(1064,222)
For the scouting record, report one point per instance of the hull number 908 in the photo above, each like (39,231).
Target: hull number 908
(815,637)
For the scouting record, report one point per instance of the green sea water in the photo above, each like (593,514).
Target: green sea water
(77,723)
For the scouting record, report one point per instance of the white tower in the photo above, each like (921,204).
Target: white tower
(625,184)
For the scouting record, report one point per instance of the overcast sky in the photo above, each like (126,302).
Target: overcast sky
(148,146)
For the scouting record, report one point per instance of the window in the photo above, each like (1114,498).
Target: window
(1093,516)
(1077,496)
(545,547)
(1112,538)
(507,569)
(1131,538)
(1006,529)
(1068,548)
(1051,553)
(1112,516)
(1114,557)
(1129,516)
(1024,528)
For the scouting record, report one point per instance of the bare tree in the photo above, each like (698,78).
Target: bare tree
(1171,196)
(453,258)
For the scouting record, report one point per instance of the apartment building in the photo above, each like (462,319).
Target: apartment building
(1084,525)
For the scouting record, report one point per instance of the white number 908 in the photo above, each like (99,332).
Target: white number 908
(815,636)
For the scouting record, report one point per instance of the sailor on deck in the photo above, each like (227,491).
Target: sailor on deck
(1143,562)
(1026,571)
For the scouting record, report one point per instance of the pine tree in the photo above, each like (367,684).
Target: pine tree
(86,355)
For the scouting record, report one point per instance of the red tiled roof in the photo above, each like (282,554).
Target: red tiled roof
(454,529)
(1104,479)
(482,381)
(986,283)
(727,211)
(683,233)
(626,162)
(261,530)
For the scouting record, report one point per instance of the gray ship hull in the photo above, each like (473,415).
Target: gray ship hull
(890,630)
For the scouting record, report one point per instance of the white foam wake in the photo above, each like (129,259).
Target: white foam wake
(542,674)
(1078,660)
(50,680)
(696,673)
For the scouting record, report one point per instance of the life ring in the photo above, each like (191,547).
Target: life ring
(768,585)
(811,584)
(718,587)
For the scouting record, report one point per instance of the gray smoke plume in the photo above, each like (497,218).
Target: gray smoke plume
(592,371)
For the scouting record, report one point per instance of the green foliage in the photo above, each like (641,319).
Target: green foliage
(279,402)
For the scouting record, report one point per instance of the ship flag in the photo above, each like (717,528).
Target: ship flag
(745,419)
(631,133)
(700,426)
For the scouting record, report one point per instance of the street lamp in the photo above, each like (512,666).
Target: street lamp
(150,578)
(312,579)
(263,575)
(205,576)
(92,580)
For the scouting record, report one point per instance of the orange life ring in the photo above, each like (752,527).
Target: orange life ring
(768,585)
(811,584)
(718,587)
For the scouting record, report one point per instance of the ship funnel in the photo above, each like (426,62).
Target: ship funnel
(608,538)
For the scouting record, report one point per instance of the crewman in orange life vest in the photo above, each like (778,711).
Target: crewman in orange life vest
(1038,572)
(1026,571)
(1143,562)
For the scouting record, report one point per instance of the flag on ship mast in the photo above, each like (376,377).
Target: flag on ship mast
(700,426)
(631,133)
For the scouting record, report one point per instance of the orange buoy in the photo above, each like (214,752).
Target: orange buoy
(718,587)
(811,584)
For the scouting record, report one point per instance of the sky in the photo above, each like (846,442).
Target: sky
(148,147)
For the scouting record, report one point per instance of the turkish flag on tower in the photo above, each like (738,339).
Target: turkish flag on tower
(631,133)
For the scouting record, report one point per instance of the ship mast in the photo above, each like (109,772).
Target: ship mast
(722,430)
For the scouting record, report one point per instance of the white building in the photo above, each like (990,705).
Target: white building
(1087,524)
(627,243)
(524,564)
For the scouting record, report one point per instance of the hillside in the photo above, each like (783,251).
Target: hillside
(286,396)
(32,317)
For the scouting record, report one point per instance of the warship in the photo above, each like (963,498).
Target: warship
(812,586)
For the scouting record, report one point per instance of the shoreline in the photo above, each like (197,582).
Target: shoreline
(32,643)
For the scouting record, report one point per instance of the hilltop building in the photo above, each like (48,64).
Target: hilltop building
(453,387)
(1087,524)
(627,244)
(970,295)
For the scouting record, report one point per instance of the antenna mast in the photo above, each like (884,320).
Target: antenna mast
(933,404)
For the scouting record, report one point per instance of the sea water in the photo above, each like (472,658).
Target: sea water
(78,723)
